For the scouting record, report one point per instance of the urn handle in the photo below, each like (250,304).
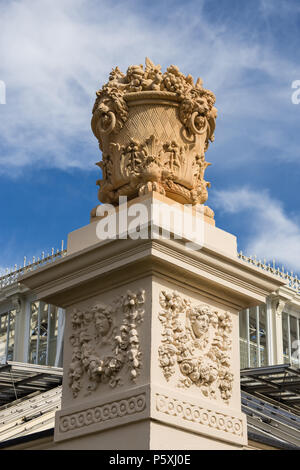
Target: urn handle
(107,123)
(193,125)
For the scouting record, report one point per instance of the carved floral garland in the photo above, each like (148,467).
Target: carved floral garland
(197,340)
(124,341)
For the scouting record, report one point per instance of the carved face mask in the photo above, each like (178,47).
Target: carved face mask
(200,325)
(102,324)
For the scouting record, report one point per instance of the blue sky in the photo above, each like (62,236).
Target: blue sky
(54,55)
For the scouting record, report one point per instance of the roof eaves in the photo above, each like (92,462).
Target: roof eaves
(28,438)
(257,437)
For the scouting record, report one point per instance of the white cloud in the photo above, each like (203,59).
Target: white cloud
(272,232)
(56,53)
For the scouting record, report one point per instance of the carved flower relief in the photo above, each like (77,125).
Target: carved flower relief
(75,370)
(225,322)
(172,302)
(187,367)
(134,312)
(167,359)
(226,379)
(77,317)
(196,339)
(172,305)
(132,304)
(95,328)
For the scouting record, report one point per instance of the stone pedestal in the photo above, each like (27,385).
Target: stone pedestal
(151,352)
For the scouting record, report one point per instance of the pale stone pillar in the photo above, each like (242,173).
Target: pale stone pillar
(15,296)
(279,301)
(278,306)
(151,353)
(151,348)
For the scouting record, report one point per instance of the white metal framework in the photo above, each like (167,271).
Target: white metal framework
(12,275)
(30,331)
(254,337)
(45,321)
(291,279)
(7,335)
(291,339)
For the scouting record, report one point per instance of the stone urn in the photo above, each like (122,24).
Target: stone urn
(153,130)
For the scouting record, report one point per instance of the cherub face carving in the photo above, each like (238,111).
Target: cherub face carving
(103,319)
(200,321)
(102,324)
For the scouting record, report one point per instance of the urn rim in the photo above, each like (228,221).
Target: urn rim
(148,97)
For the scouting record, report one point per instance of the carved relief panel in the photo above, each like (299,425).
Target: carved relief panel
(195,346)
(105,343)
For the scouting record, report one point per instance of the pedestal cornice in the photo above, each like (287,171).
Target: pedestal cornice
(226,276)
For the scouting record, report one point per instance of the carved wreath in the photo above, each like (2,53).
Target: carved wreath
(95,327)
(196,339)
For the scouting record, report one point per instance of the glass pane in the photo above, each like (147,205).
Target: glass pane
(11,336)
(285,338)
(42,354)
(263,336)
(53,335)
(253,338)
(294,343)
(3,336)
(34,319)
(243,339)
